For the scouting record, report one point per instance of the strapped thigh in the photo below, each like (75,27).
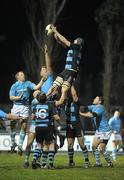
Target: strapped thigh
(58,81)
(66,85)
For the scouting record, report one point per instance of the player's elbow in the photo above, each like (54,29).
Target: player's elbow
(11,98)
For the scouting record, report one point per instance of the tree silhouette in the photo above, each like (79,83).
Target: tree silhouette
(110,19)
(39,13)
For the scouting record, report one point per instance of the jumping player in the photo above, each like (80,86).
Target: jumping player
(46,74)
(73,59)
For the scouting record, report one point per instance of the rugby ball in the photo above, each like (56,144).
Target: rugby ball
(49,30)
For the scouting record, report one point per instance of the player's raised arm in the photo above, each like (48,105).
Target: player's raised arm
(60,37)
(47,60)
(37,87)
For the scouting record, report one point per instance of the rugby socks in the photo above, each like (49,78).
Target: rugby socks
(85,152)
(51,155)
(27,154)
(40,154)
(96,154)
(12,135)
(36,153)
(107,156)
(114,153)
(21,138)
(70,155)
(44,158)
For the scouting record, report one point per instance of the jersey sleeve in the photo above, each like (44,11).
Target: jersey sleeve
(12,91)
(98,111)
(3,114)
(110,121)
(31,85)
(90,108)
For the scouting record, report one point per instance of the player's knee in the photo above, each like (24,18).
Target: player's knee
(58,82)
(101,149)
(94,147)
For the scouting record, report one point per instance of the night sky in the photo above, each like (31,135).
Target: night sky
(77,19)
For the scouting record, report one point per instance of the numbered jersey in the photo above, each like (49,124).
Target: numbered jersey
(43,115)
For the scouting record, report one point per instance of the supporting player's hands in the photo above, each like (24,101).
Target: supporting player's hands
(13,117)
(36,93)
(44,77)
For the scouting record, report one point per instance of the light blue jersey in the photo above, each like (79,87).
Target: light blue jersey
(22,89)
(100,119)
(44,88)
(115,124)
(47,84)
(3,114)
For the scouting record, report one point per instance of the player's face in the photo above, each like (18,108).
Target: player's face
(21,77)
(117,114)
(96,100)
(43,71)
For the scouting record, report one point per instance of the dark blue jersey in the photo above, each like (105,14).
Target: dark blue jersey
(43,114)
(72,113)
(73,58)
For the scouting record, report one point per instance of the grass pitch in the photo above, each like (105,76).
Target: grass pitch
(11,168)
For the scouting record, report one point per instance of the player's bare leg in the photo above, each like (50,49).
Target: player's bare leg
(65,87)
(30,139)
(116,145)
(13,134)
(56,84)
(22,135)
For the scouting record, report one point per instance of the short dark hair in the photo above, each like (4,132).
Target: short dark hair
(80,41)
(18,73)
(41,97)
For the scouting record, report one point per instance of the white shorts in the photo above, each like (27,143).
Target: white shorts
(20,110)
(32,128)
(103,135)
(116,137)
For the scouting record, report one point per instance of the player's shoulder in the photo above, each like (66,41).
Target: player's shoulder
(74,46)
(102,107)
(111,119)
(50,75)
(15,84)
(27,82)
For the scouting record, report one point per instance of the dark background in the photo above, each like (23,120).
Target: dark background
(77,19)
